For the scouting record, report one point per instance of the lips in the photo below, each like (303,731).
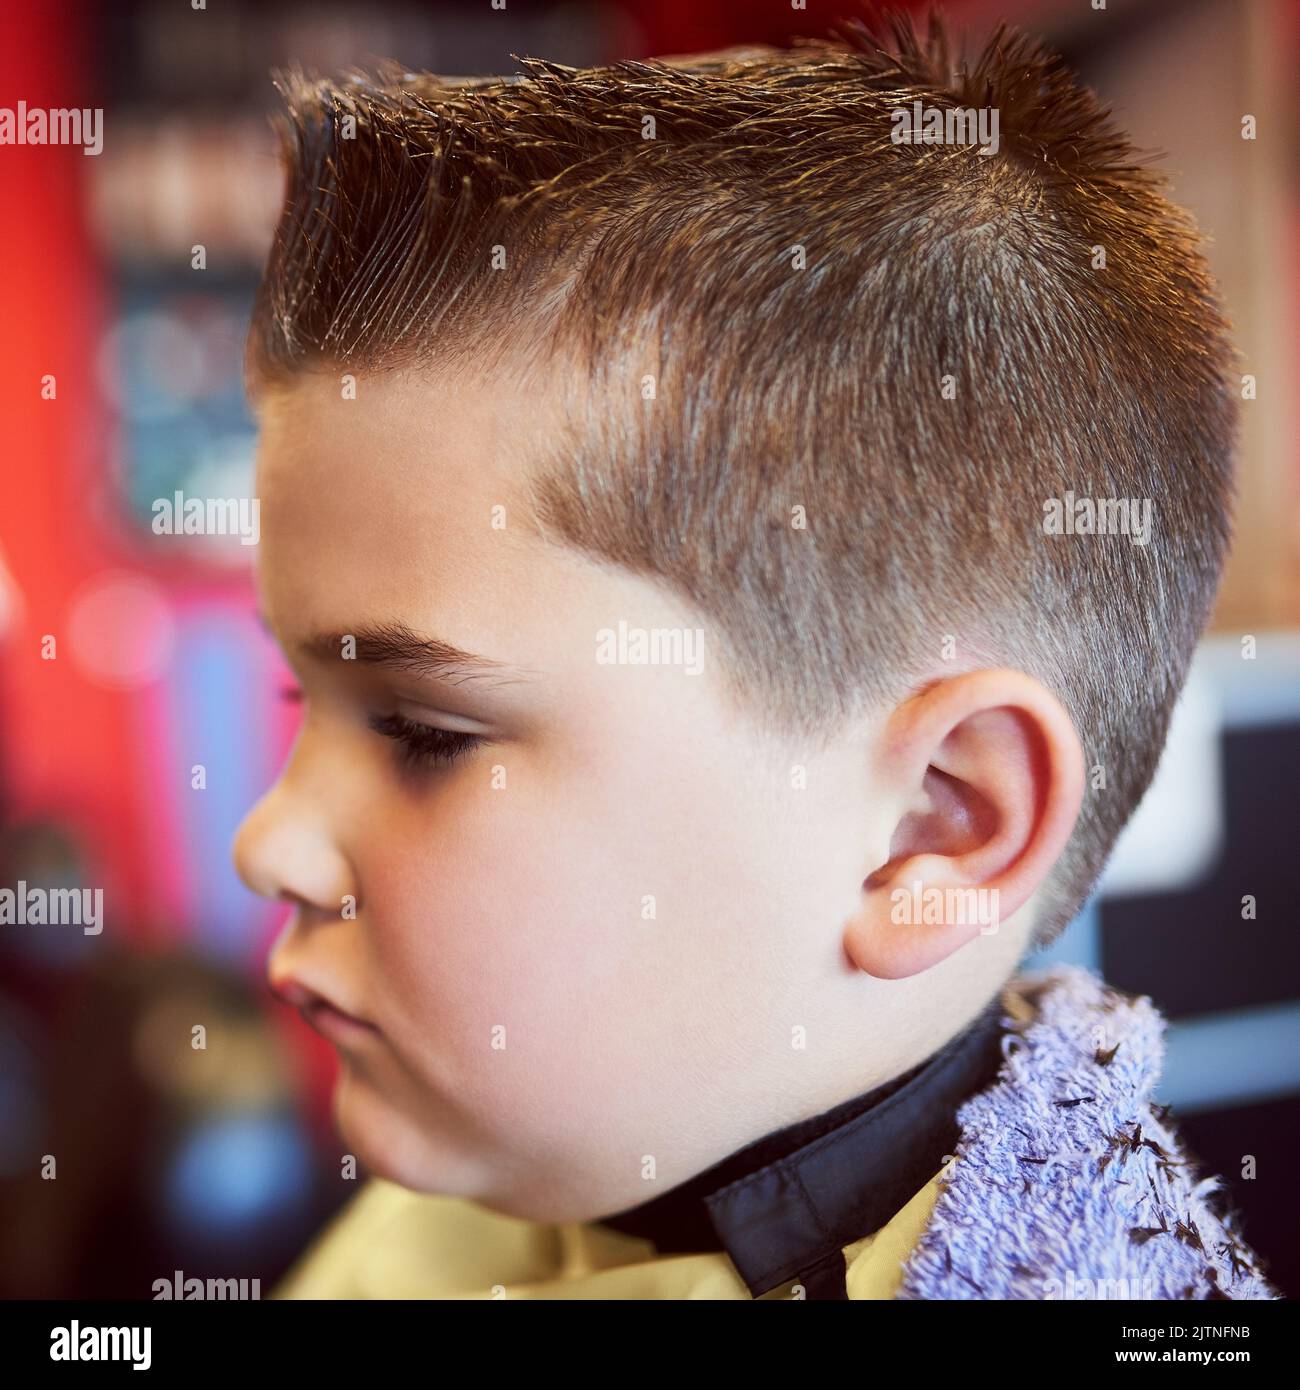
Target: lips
(338,1027)
(321,1013)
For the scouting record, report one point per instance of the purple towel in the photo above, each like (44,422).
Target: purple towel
(1068,1182)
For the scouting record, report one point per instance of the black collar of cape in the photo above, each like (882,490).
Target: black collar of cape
(784,1206)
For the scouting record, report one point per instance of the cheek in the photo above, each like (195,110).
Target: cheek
(590,933)
(486,912)
(456,915)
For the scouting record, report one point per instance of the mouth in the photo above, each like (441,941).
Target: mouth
(325,1018)
(335,1025)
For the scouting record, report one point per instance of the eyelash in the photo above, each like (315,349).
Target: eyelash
(421,744)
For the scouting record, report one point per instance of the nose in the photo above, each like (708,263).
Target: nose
(287,849)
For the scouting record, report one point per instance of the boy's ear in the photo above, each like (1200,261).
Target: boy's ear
(986,779)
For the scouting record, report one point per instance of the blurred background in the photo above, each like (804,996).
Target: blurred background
(127,281)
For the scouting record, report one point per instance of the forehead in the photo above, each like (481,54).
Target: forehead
(405,501)
(408,504)
(414,463)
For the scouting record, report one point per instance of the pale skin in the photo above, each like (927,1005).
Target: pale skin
(623,938)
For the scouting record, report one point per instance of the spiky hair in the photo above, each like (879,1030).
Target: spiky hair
(919,345)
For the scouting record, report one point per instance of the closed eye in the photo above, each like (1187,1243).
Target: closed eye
(422,744)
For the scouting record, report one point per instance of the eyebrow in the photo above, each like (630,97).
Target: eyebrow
(396,646)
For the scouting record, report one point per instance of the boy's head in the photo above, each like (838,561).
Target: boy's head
(755,448)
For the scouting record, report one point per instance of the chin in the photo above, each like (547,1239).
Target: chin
(390,1145)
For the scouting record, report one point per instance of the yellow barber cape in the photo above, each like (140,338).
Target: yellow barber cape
(389,1242)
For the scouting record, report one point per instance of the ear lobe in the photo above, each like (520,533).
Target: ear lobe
(990,770)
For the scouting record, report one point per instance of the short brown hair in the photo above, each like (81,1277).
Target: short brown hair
(920,345)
